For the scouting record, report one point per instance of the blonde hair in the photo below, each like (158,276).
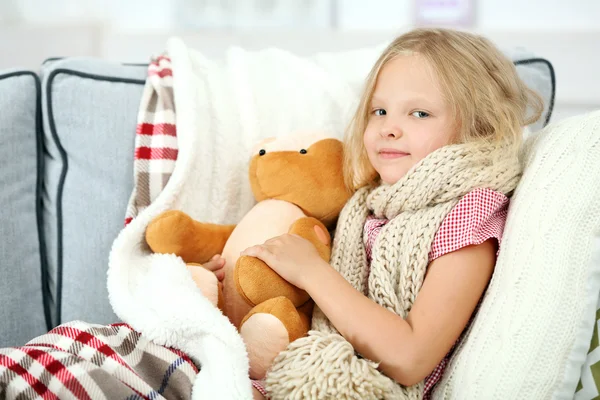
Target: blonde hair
(479,83)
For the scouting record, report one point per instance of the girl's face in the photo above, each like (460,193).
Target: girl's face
(409,117)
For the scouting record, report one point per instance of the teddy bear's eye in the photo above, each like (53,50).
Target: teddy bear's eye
(262,152)
(303,151)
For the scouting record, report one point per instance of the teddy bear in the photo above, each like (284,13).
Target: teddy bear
(297,181)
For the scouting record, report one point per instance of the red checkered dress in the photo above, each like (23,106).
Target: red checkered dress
(477,217)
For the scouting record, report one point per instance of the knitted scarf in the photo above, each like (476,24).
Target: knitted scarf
(323,364)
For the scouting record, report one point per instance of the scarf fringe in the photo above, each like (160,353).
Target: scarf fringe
(325,366)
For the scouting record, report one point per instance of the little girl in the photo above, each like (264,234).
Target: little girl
(432,156)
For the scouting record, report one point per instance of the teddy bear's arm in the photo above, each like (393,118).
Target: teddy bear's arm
(256,282)
(175,232)
(315,232)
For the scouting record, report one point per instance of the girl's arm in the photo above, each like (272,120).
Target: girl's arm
(409,349)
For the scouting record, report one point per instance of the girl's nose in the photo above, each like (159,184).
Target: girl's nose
(391,132)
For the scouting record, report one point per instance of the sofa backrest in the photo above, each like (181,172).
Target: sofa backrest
(23,273)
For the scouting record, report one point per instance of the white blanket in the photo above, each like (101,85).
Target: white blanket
(222,110)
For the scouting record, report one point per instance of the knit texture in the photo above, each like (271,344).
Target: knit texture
(533,330)
(324,364)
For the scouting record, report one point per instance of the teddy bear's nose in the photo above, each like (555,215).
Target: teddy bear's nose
(262,152)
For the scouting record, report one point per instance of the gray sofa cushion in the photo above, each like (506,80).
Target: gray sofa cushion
(21,308)
(90,110)
(538,74)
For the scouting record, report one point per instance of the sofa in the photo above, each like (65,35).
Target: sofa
(66,159)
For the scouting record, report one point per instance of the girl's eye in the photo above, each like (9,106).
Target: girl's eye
(420,114)
(379,111)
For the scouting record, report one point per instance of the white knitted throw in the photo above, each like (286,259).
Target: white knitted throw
(324,365)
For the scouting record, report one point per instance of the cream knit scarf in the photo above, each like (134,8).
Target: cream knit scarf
(324,365)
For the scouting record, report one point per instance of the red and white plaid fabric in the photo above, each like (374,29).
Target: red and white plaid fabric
(260,386)
(478,216)
(83,361)
(156,138)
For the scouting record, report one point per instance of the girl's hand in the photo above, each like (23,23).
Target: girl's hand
(215,265)
(291,256)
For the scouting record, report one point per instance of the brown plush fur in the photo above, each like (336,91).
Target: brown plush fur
(184,239)
(311,180)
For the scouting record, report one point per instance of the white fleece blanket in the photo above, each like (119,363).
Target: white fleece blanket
(222,110)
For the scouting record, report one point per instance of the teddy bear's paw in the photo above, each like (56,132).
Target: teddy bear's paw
(268,329)
(208,283)
(169,232)
(265,337)
(256,282)
(315,232)
(175,232)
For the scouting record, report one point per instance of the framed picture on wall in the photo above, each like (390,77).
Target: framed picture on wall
(456,13)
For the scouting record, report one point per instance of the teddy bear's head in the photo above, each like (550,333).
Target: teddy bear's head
(303,169)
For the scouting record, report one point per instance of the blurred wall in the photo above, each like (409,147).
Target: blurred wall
(565,32)
(143,15)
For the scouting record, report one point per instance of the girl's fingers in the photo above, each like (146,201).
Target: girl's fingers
(262,252)
(251,251)
(214,264)
(220,274)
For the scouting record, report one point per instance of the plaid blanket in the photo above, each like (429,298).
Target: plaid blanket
(156,138)
(78,360)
